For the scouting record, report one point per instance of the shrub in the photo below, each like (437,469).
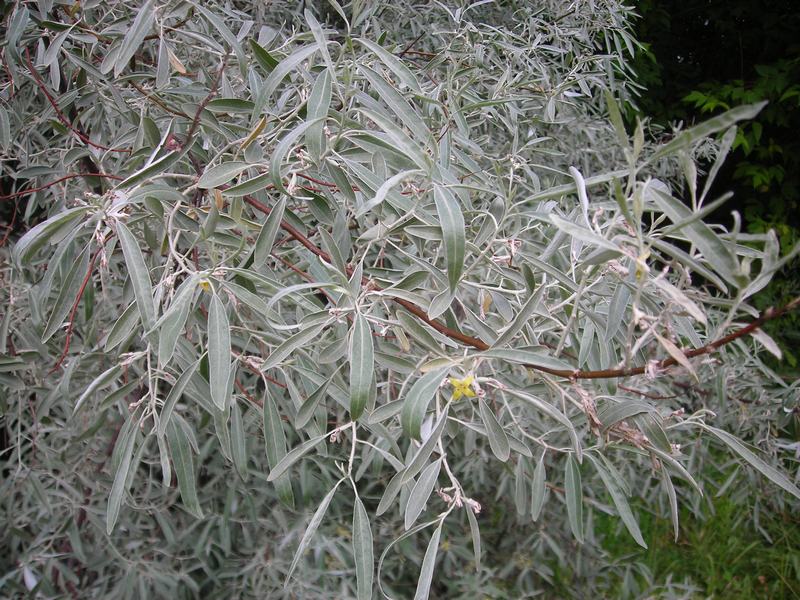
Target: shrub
(384,299)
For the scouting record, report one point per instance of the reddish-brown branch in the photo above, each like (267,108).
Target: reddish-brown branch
(479,344)
(57,181)
(61,117)
(74,310)
(320,182)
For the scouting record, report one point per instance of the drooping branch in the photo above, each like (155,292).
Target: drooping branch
(768,315)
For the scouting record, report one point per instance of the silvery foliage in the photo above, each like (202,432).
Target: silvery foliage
(351,299)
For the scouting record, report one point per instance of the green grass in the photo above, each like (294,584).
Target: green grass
(723,554)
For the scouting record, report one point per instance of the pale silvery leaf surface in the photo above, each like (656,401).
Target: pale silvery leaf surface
(248,226)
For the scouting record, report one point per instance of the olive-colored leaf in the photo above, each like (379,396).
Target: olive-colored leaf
(421,492)
(428,564)
(275,445)
(574,497)
(363,551)
(140,276)
(219,352)
(124,450)
(762,466)
(417,400)
(184,467)
(316,519)
(70,288)
(498,440)
(221,174)
(452,223)
(538,489)
(138,30)
(362,365)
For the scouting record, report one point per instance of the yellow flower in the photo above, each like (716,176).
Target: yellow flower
(462,387)
(205,285)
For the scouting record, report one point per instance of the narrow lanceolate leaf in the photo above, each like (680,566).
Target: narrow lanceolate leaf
(266,238)
(141,26)
(139,274)
(673,502)
(520,319)
(286,66)
(719,123)
(312,528)
(428,564)
(398,105)
(317,108)
(152,169)
(418,399)
(238,441)
(498,440)
(759,463)
(184,467)
(538,489)
(173,320)
(715,251)
(174,395)
(419,459)
(362,364)
(620,501)
(221,174)
(219,352)
(554,413)
(363,551)
(585,235)
(384,190)
(119,488)
(293,456)
(403,73)
(253,135)
(99,382)
(282,149)
(533,357)
(574,497)
(310,404)
(300,338)
(275,441)
(475,533)
(677,354)
(421,492)
(38,236)
(452,223)
(390,493)
(70,288)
